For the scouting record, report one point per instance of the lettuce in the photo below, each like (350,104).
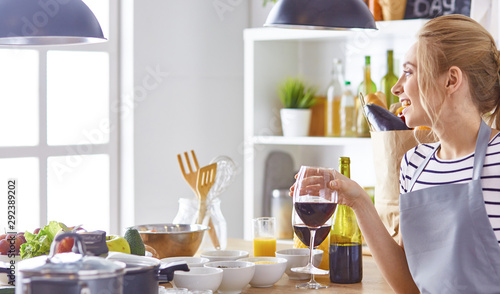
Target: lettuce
(39,244)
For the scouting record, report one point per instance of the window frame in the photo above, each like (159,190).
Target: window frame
(42,151)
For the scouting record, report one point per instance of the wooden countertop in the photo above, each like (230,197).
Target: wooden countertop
(372,282)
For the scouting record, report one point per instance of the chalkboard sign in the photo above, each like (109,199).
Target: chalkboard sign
(434,8)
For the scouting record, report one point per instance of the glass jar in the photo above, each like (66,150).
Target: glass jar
(188,214)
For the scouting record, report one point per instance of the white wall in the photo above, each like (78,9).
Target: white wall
(195,102)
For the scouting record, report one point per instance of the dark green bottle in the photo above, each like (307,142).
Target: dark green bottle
(346,264)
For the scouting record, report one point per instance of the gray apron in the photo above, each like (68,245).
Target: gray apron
(449,242)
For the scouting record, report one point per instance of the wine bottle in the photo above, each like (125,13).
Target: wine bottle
(389,80)
(333,97)
(366,87)
(345,254)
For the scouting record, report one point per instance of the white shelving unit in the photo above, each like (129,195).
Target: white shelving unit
(271,55)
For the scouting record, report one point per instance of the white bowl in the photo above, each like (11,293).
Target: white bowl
(236,276)
(5,263)
(199,278)
(297,257)
(220,255)
(190,260)
(268,270)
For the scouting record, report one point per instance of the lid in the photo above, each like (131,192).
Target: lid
(70,265)
(134,262)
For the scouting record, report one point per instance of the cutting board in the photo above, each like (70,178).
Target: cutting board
(279,173)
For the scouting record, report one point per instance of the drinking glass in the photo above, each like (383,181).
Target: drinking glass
(304,234)
(264,236)
(314,204)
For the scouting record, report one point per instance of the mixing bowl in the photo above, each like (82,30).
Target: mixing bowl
(172,239)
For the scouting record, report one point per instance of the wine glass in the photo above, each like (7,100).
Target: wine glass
(303,233)
(315,204)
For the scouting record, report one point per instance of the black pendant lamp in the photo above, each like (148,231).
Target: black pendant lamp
(54,22)
(321,15)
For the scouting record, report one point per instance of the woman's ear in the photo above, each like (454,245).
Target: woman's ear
(454,79)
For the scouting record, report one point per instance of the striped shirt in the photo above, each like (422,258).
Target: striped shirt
(456,171)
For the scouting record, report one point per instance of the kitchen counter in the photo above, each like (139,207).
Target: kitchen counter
(372,282)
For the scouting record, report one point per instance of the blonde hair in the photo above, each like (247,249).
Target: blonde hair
(457,40)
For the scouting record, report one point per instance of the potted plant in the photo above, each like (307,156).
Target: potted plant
(297,100)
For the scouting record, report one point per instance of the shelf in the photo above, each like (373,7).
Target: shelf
(310,141)
(271,54)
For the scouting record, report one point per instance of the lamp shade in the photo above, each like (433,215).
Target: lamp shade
(321,15)
(47,22)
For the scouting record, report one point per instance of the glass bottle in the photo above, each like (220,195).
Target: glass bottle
(346,264)
(366,87)
(333,97)
(389,80)
(347,113)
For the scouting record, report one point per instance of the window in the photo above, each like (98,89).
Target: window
(58,133)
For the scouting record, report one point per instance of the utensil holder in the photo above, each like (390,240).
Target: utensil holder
(188,214)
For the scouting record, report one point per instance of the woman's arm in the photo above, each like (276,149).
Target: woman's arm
(388,255)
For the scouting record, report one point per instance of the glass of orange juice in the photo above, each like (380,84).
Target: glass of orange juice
(264,236)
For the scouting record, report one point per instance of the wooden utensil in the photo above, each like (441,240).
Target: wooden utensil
(193,174)
(206,178)
(191,179)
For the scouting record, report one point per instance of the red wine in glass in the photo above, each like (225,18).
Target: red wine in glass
(315,214)
(303,233)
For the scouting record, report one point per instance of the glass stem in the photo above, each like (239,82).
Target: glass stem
(312,281)
(311,245)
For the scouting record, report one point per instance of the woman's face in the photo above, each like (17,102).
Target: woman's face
(407,90)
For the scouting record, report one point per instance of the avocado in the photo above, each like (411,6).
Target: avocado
(135,241)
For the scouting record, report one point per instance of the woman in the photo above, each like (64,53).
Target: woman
(450,191)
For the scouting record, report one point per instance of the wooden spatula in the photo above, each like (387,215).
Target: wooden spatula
(206,178)
(191,179)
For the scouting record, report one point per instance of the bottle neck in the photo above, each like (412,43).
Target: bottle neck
(345,169)
(367,79)
(336,71)
(390,62)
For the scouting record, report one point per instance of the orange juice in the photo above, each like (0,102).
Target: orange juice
(264,246)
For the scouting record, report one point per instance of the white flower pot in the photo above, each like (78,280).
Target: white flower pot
(295,122)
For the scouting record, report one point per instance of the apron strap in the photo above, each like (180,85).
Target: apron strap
(483,138)
(421,168)
(482,141)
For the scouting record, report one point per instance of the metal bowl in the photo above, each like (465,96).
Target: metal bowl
(172,239)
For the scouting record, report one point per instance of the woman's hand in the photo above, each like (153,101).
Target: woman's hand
(349,192)
(313,182)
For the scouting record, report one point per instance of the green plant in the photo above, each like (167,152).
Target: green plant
(294,94)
